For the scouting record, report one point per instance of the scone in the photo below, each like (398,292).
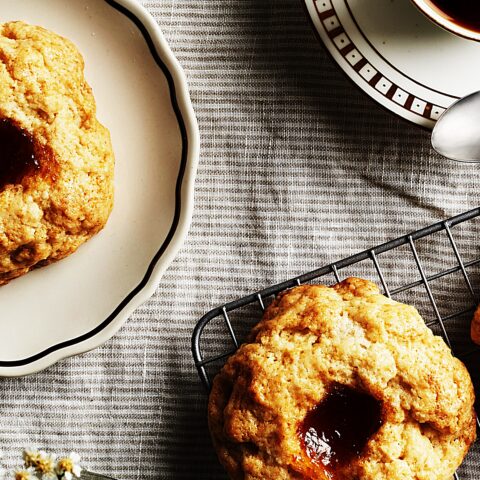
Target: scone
(56,159)
(342,383)
(475,326)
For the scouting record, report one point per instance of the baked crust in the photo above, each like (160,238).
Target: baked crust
(312,337)
(48,213)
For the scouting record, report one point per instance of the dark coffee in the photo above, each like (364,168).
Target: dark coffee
(465,13)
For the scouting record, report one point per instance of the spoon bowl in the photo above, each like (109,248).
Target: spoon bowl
(456,134)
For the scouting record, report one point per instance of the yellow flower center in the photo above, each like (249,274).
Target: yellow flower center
(32,459)
(44,465)
(66,465)
(41,464)
(23,475)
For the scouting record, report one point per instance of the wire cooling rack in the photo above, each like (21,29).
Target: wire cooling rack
(438,280)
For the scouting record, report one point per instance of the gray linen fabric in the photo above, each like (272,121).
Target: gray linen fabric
(298,168)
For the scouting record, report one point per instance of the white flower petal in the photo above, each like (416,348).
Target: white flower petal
(74,457)
(68,476)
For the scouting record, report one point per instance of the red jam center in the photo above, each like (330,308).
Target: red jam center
(337,429)
(17,154)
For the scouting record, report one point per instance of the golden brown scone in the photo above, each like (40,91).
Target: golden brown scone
(475,327)
(56,159)
(412,400)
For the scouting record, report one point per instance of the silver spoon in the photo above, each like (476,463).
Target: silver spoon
(456,134)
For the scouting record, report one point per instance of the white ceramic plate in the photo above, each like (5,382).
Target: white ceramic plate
(396,55)
(77,304)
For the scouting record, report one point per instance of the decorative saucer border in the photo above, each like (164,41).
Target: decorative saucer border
(363,73)
(183,110)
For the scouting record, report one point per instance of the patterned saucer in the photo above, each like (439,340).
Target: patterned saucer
(397,56)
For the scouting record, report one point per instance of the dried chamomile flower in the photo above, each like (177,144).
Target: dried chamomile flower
(30,456)
(41,461)
(25,474)
(69,466)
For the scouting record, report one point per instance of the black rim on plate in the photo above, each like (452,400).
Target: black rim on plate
(176,217)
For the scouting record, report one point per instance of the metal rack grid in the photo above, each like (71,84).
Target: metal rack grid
(222,315)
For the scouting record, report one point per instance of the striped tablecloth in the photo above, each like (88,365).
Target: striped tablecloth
(297,169)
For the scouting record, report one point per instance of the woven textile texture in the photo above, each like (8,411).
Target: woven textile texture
(297,169)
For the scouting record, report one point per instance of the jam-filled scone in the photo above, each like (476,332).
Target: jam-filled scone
(56,159)
(342,383)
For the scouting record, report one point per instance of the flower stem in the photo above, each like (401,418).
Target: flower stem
(86,475)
